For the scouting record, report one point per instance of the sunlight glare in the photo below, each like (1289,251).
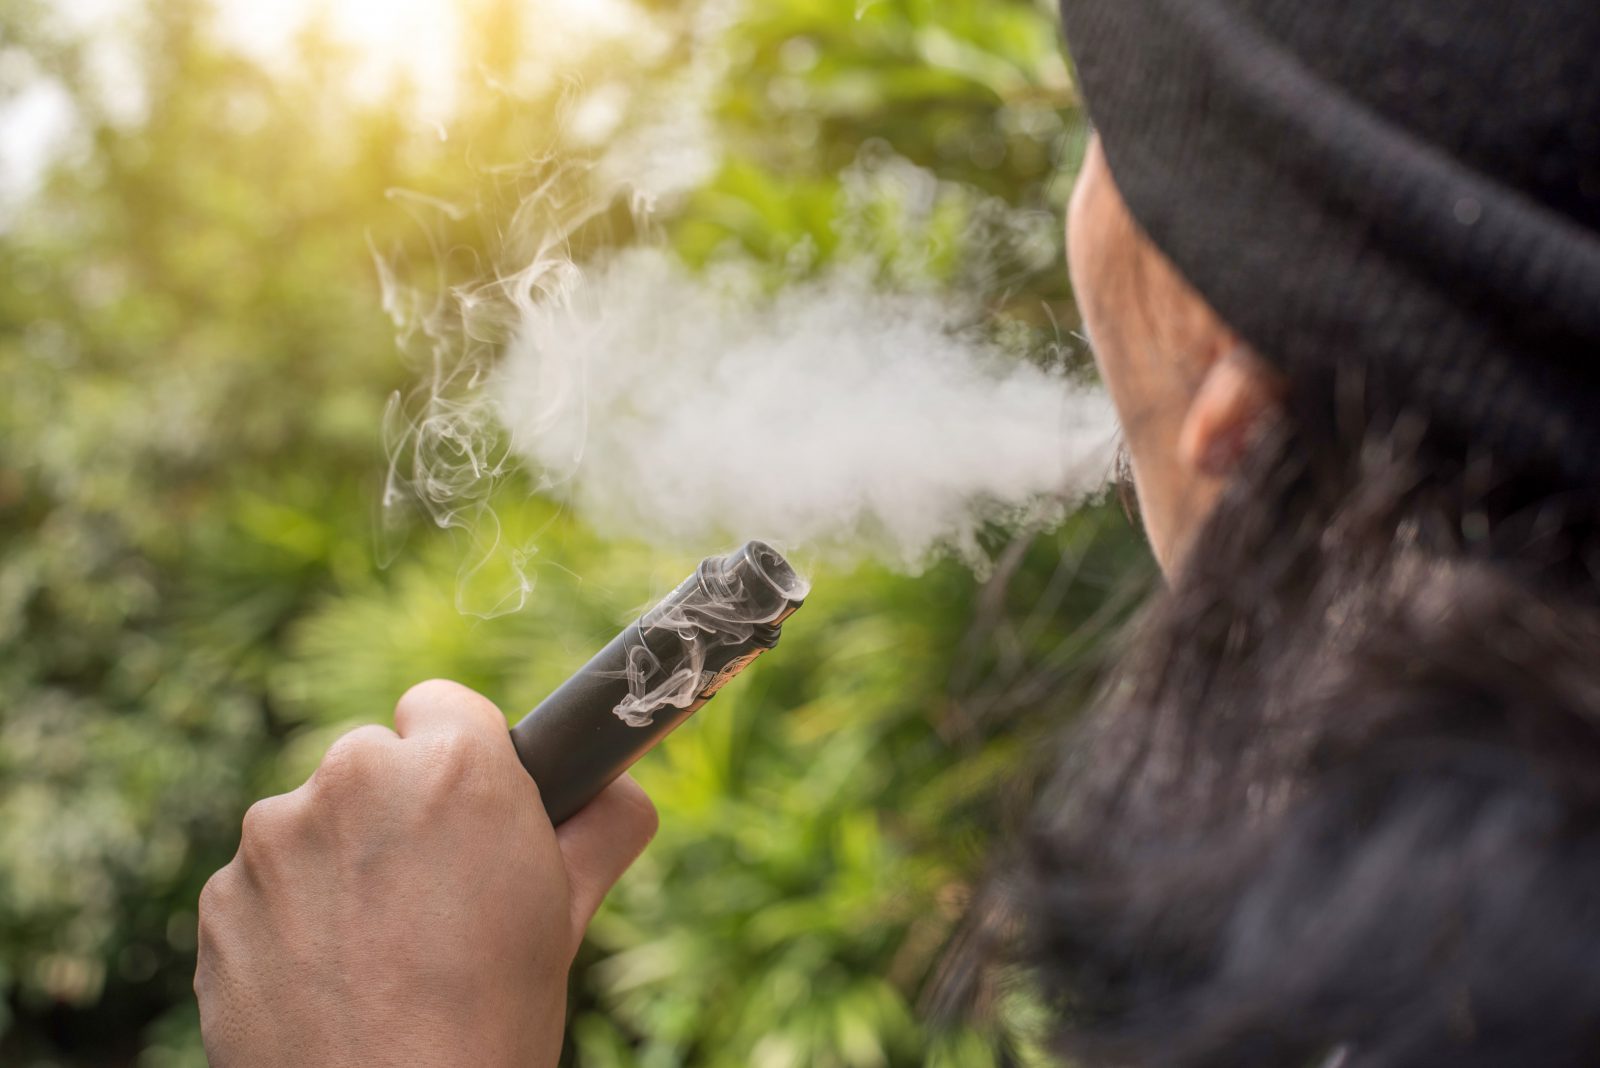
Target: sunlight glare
(421,40)
(418,40)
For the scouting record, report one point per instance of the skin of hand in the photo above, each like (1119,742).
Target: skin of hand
(1189,393)
(411,904)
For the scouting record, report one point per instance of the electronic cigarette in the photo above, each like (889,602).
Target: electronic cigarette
(654,675)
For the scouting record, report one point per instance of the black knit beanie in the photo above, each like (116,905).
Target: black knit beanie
(1399,197)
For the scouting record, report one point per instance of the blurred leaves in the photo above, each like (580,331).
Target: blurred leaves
(194,365)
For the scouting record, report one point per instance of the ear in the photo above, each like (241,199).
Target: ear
(1237,392)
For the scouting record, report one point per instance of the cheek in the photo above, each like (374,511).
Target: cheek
(1091,252)
(1099,252)
(1094,241)
(1085,263)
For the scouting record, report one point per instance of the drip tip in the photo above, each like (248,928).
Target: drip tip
(754,585)
(769,566)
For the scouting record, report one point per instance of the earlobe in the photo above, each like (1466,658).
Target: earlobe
(1237,393)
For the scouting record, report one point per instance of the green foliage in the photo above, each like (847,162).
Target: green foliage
(194,363)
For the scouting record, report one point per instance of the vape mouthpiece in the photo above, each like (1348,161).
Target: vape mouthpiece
(657,673)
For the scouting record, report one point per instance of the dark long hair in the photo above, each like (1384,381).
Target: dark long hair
(1341,803)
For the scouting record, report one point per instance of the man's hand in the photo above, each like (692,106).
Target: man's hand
(410,904)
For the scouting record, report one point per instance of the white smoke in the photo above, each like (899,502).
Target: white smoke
(827,415)
(864,409)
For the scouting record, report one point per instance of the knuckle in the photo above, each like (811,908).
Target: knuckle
(204,981)
(216,895)
(351,759)
(261,820)
(429,694)
(441,705)
(219,903)
(268,825)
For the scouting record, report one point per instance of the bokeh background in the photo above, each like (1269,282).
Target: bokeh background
(196,593)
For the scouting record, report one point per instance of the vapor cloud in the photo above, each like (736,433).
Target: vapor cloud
(692,411)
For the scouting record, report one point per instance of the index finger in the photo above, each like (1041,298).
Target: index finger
(439,707)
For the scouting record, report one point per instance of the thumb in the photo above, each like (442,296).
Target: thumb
(601,842)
